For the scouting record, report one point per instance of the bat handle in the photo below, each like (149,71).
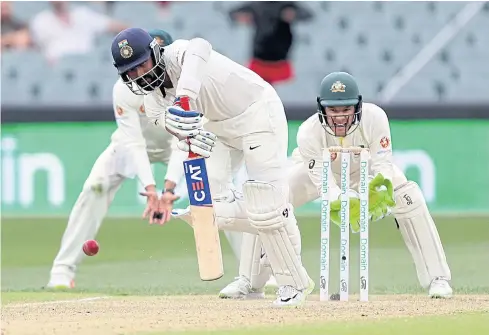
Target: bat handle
(185,104)
(190,153)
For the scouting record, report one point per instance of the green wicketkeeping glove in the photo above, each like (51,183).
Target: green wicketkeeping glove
(381,197)
(335,212)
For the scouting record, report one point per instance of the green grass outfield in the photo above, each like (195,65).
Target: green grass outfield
(141,266)
(472,323)
(138,259)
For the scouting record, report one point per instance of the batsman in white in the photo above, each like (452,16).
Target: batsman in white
(134,145)
(344,120)
(247,116)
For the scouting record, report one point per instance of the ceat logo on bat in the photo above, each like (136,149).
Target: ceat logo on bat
(384,142)
(199,193)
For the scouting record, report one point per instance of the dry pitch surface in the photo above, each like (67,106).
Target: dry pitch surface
(129,315)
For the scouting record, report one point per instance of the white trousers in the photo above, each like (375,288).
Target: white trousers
(262,148)
(110,170)
(257,139)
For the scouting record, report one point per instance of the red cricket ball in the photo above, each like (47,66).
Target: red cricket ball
(90,247)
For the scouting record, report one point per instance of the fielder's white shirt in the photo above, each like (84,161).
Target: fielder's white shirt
(141,139)
(228,89)
(373,132)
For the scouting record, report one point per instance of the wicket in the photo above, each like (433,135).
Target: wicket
(345,218)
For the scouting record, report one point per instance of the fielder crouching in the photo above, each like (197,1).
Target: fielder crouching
(134,145)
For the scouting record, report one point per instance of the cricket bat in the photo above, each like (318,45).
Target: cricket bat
(206,233)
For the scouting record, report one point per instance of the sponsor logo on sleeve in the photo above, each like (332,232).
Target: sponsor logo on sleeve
(385,142)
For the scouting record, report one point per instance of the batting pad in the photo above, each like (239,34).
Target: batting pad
(249,265)
(274,219)
(420,234)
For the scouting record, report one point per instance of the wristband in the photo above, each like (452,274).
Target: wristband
(171,190)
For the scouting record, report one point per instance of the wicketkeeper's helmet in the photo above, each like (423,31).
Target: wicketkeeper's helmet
(339,89)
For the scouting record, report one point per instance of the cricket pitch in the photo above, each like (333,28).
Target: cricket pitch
(145,315)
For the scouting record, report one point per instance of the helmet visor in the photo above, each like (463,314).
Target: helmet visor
(333,103)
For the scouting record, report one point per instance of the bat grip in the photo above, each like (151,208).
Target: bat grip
(185,104)
(190,153)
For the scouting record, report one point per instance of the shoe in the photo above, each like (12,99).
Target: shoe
(289,296)
(61,282)
(241,289)
(440,288)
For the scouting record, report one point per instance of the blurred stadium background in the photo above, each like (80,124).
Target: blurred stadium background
(425,63)
(371,40)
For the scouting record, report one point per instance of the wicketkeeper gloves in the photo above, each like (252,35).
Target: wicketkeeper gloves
(381,202)
(381,198)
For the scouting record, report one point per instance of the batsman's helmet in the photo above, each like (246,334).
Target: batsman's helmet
(339,89)
(131,48)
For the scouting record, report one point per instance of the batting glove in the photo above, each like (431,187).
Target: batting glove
(182,123)
(202,143)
